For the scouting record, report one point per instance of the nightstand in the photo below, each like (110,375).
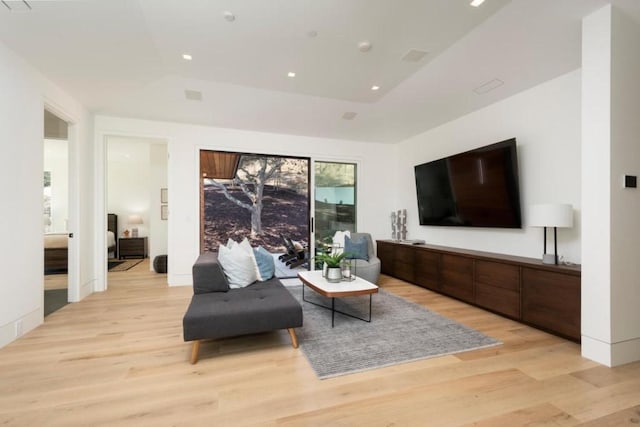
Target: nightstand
(129,247)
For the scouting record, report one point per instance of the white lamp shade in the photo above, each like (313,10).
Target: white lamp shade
(551,215)
(135,219)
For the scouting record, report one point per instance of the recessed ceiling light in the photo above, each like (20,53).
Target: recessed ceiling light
(193,95)
(349,115)
(476,3)
(291,74)
(312,34)
(187,57)
(230,17)
(364,46)
(374,87)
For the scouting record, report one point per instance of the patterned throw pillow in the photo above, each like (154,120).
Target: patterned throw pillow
(356,249)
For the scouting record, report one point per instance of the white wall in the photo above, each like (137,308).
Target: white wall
(611,239)
(625,203)
(545,121)
(157,179)
(185,141)
(128,172)
(56,161)
(24,94)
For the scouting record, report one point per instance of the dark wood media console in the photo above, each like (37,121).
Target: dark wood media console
(544,296)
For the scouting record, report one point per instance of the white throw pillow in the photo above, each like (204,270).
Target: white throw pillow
(338,239)
(231,243)
(237,266)
(246,246)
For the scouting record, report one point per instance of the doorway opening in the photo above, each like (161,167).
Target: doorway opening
(136,204)
(56,213)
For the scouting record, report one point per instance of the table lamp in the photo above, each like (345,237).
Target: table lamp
(135,220)
(551,215)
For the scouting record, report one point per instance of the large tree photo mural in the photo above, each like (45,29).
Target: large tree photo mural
(261,197)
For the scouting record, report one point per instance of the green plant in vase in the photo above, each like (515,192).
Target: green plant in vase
(334,265)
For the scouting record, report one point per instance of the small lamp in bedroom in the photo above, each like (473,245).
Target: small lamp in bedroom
(135,220)
(551,215)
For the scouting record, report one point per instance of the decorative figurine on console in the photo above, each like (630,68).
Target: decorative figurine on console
(394,234)
(399,225)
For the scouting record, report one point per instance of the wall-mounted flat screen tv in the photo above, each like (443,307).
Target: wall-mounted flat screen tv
(477,188)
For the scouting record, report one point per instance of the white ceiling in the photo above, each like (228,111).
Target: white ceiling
(124,58)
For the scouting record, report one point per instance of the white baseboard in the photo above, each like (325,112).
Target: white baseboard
(9,332)
(179,279)
(87,289)
(611,354)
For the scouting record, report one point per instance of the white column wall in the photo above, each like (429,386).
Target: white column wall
(625,203)
(596,237)
(611,238)
(24,94)
(21,139)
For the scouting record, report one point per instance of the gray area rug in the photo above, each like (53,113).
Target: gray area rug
(54,299)
(123,265)
(399,332)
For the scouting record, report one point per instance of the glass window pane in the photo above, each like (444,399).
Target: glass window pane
(335,199)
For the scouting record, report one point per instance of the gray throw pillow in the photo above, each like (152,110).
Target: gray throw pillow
(356,248)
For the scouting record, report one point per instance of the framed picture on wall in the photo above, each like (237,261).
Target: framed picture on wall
(164,212)
(164,195)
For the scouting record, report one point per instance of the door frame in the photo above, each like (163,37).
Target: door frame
(101,255)
(73,256)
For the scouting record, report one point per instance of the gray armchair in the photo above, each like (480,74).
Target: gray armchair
(368,270)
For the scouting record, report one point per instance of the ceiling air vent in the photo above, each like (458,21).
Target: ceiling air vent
(414,55)
(488,86)
(193,95)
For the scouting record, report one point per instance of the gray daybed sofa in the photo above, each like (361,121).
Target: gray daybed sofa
(216,311)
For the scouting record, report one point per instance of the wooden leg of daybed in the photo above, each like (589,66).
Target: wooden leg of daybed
(294,338)
(194,352)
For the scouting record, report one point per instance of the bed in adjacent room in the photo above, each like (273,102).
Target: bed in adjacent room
(56,247)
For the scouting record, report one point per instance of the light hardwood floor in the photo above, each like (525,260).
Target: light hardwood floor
(117,358)
(55,281)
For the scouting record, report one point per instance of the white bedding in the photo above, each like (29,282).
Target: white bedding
(61,240)
(56,240)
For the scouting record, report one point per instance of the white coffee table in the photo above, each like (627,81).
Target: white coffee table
(320,285)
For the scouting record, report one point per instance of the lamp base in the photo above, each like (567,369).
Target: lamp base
(548,259)
(134,232)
